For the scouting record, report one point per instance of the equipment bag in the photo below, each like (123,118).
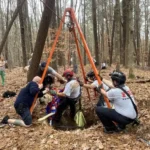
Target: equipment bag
(79,117)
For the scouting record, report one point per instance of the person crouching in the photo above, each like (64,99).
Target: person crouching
(24,102)
(124,112)
(69,96)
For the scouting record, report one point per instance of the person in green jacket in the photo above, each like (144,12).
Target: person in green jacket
(2,70)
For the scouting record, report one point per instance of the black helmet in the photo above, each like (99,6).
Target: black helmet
(43,64)
(49,79)
(119,77)
(90,74)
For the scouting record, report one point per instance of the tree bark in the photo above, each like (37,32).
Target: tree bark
(96,47)
(117,17)
(137,31)
(84,30)
(41,38)
(128,32)
(22,31)
(107,30)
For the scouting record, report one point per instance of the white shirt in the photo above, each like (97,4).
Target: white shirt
(103,65)
(96,84)
(122,102)
(72,89)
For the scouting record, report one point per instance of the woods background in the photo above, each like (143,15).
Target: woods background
(117,31)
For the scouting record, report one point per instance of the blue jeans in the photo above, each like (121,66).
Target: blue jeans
(25,114)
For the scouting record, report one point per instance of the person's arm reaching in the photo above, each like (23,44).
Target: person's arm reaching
(108,83)
(53,72)
(89,86)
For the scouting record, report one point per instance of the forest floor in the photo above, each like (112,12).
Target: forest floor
(43,137)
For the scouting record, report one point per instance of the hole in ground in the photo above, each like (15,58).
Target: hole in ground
(68,124)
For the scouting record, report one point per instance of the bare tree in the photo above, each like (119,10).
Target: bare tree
(128,32)
(41,37)
(10,25)
(23,23)
(95,31)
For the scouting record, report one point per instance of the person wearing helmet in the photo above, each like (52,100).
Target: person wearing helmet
(124,111)
(50,70)
(91,78)
(69,96)
(49,77)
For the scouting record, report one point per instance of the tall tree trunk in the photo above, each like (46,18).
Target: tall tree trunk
(128,32)
(117,17)
(7,20)
(28,33)
(58,10)
(84,30)
(112,42)
(146,26)
(96,47)
(22,31)
(107,30)
(137,31)
(102,35)
(15,14)
(41,38)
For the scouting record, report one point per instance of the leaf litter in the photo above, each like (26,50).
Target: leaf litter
(43,137)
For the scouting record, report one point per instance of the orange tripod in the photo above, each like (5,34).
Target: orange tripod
(75,24)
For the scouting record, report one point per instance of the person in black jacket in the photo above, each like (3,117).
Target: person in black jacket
(24,102)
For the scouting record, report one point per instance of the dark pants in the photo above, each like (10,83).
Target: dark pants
(24,112)
(101,101)
(107,116)
(65,102)
(104,67)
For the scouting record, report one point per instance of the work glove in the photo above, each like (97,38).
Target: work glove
(53,92)
(86,79)
(46,90)
(98,89)
(61,81)
(40,86)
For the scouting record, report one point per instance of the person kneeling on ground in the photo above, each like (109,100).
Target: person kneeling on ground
(94,85)
(24,102)
(125,111)
(69,96)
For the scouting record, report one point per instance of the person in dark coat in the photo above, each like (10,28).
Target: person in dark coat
(24,102)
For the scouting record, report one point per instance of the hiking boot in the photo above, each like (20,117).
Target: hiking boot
(5,120)
(112,130)
(2,125)
(108,131)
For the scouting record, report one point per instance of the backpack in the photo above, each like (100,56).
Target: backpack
(8,94)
